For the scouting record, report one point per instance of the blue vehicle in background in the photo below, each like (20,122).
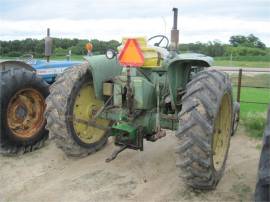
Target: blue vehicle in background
(49,70)
(24,87)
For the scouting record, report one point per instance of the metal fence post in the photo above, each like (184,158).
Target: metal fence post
(239,85)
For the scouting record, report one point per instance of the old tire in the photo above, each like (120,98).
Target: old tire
(72,98)
(23,96)
(262,191)
(205,129)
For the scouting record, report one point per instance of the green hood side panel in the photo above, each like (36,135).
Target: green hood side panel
(102,70)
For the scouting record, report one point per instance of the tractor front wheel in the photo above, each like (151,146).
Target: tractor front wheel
(205,129)
(71,107)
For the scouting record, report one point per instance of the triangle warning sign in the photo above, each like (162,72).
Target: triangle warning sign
(131,55)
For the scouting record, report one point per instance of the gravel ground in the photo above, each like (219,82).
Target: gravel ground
(48,175)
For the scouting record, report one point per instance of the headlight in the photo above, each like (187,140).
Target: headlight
(110,53)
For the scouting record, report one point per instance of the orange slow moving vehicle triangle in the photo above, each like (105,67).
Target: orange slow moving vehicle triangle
(131,55)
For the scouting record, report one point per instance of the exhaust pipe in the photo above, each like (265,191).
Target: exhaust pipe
(48,45)
(174,31)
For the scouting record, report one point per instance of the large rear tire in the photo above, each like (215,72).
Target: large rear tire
(205,129)
(23,96)
(70,105)
(262,191)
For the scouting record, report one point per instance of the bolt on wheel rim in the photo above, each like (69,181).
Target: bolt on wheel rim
(25,113)
(222,133)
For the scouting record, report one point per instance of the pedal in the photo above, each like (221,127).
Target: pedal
(115,153)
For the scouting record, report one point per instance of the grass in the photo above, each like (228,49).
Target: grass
(265,58)
(252,115)
(243,191)
(228,63)
(253,95)
(259,80)
(254,124)
(243,61)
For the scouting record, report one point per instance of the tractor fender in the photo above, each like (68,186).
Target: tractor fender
(102,69)
(179,71)
(6,65)
(194,59)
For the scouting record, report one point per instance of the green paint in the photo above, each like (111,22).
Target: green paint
(171,78)
(126,130)
(102,69)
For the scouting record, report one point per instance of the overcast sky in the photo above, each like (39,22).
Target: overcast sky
(199,20)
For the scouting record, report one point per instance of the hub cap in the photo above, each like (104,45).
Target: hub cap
(25,113)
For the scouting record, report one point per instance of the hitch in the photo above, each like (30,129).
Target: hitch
(126,137)
(115,153)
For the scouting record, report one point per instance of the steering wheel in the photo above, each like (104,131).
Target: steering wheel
(162,37)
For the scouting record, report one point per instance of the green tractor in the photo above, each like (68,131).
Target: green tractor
(137,94)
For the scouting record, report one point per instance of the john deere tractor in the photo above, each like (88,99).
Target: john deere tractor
(135,93)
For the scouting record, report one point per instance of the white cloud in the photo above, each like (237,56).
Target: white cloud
(199,20)
(192,29)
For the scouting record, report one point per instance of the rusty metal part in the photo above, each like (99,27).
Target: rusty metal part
(25,113)
(160,134)
(115,153)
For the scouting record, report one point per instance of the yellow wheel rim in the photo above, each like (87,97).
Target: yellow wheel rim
(85,108)
(221,138)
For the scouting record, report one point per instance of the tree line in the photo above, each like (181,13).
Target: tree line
(239,45)
(16,48)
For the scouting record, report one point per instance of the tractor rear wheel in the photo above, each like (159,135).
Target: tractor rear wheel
(205,129)
(23,96)
(71,106)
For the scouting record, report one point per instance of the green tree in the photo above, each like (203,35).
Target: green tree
(246,41)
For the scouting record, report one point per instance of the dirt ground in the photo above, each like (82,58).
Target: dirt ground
(48,175)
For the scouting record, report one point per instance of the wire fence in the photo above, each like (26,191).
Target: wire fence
(244,79)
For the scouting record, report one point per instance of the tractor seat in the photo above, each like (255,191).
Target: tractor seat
(153,55)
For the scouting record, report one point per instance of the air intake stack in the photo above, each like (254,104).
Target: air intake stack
(174,31)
